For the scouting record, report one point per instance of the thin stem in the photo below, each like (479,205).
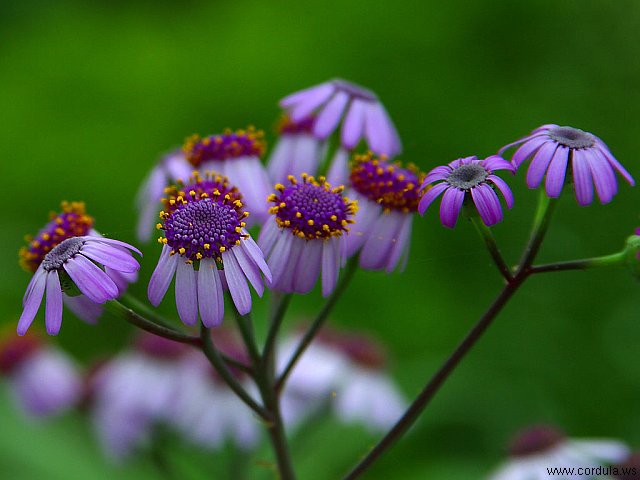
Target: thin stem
(246,330)
(117,308)
(604,261)
(540,226)
(276,321)
(139,306)
(278,439)
(313,329)
(214,357)
(489,240)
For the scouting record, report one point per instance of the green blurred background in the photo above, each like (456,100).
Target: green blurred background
(92,92)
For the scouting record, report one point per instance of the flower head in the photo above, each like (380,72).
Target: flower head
(541,447)
(297,151)
(306,233)
(468,178)
(204,231)
(388,194)
(237,156)
(338,100)
(554,149)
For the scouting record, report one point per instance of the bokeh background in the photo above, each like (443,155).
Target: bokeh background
(92,92)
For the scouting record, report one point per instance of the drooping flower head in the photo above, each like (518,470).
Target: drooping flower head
(67,250)
(171,168)
(305,235)
(297,151)
(42,378)
(204,231)
(235,155)
(388,195)
(468,179)
(337,100)
(556,150)
(539,448)
(72,221)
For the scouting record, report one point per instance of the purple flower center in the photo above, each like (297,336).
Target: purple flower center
(71,222)
(354,90)
(311,209)
(572,137)
(288,126)
(61,253)
(535,440)
(468,176)
(389,185)
(241,143)
(205,227)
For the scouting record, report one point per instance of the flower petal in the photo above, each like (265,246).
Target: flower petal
(487,203)
(53,308)
(353,126)
(330,264)
(450,206)
(90,279)
(162,276)
(338,173)
(237,283)
(557,171)
(540,164)
(330,116)
(616,164)
(32,302)
(504,189)
(582,179)
(112,257)
(250,269)
(603,175)
(186,293)
(428,198)
(527,150)
(210,294)
(308,267)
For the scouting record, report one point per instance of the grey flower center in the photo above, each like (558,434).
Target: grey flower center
(354,90)
(467,176)
(61,253)
(572,137)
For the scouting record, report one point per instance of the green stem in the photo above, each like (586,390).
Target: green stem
(268,352)
(216,360)
(615,259)
(542,219)
(246,330)
(492,246)
(313,329)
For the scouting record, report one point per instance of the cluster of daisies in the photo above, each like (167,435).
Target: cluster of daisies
(157,383)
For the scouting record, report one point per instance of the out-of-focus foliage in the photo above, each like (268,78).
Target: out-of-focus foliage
(91,93)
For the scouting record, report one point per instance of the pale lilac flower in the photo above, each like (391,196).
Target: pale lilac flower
(297,150)
(72,266)
(472,179)
(539,448)
(387,196)
(235,155)
(44,379)
(71,221)
(553,150)
(134,392)
(361,113)
(204,230)
(305,236)
(171,168)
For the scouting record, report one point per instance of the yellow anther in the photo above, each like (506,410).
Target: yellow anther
(181,250)
(207,246)
(334,218)
(310,222)
(298,215)
(222,249)
(198,255)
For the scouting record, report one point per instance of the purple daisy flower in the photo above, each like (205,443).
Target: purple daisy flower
(552,149)
(305,235)
(464,177)
(75,263)
(72,221)
(364,115)
(297,151)
(171,167)
(235,155)
(44,380)
(204,229)
(387,196)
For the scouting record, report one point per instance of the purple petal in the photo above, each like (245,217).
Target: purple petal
(504,189)
(582,179)
(617,165)
(380,133)
(250,269)
(384,234)
(401,245)
(517,142)
(330,116)
(366,216)
(545,128)
(308,267)
(353,127)
(557,171)
(450,206)
(32,302)
(288,279)
(496,162)
(251,178)
(162,276)
(279,256)
(603,176)
(307,155)
(487,203)
(438,173)
(53,308)
(40,271)
(148,202)
(186,293)
(210,294)
(237,283)
(282,157)
(122,280)
(305,107)
(269,234)
(83,308)
(252,249)
(540,164)
(304,95)
(527,150)
(112,257)
(111,241)
(339,169)
(90,280)
(330,264)
(428,198)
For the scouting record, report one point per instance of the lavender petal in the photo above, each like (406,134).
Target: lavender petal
(53,306)
(540,164)
(582,179)
(330,116)
(237,283)
(330,265)
(90,280)
(557,171)
(210,294)
(450,206)
(428,198)
(32,302)
(504,189)
(162,276)
(186,293)
(487,203)
(353,127)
